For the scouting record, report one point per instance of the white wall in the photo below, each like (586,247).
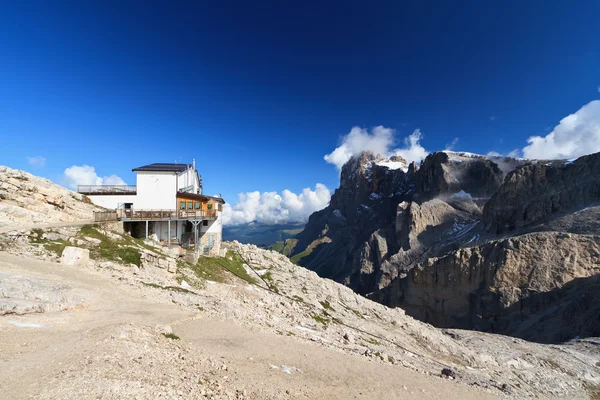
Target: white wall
(188,178)
(113,201)
(215,226)
(156,191)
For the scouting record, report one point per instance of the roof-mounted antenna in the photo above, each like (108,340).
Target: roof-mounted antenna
(194,163)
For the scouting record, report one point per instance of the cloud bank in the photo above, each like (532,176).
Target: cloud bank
(86,175)
(37,161)
(576,135)
(270,207)
(379,141)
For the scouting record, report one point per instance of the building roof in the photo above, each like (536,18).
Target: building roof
(163,167)
(201,197)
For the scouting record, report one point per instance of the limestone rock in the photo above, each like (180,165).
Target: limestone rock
(75,256)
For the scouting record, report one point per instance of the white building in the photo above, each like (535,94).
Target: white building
(167,201)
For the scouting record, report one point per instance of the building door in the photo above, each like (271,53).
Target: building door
(128,209)
(211,240)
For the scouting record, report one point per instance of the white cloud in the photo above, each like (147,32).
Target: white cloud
(598,88)
(358,140)
(412,151)
(86,175)
(270,207)
(452,145)
(379,141)
(37,161)
(576,135)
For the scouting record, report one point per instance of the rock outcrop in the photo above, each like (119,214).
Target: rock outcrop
(75,256)
(26,199)
(433,240)
(539,190)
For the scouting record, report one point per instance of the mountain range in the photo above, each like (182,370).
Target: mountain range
(497,244)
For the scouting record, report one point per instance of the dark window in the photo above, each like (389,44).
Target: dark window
(220,207)
(210,206)
(197,205)
(182,205)
(205,223)
(189,205)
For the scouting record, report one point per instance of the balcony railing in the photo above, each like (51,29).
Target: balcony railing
(129,214)
(99,190)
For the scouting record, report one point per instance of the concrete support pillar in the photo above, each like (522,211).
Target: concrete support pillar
(146,230)
(169,235)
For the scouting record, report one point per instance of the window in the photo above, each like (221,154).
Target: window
(210,206)
(197,205)
(189,205)
(182,205)
(220,207)
(205,223)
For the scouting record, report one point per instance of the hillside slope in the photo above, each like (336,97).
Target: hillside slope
(26,199)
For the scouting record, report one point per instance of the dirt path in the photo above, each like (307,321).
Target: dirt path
(57,359)
(22,228)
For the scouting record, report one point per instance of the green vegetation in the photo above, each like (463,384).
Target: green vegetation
(284,247)
(326,305)
(308,251)
(297,298)
(218,269)
(55,246)
(270,281)
(119,250)
(322,319)
(277,246)
(171,336)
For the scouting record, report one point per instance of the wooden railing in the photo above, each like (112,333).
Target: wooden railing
(165,214)
(99,190)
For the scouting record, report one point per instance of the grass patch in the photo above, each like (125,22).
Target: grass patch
(291,334)
(307,252)
(119,250)
(219,269)
(171,336)
(297,298)
(169,288)
(277,246)
(326,305)
(322,319)
(268,277)
(56,246)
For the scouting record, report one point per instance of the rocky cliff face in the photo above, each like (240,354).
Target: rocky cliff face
(465,241)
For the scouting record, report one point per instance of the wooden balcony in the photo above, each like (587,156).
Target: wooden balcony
(164,215)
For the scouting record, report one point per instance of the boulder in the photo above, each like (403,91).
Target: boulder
(75,256)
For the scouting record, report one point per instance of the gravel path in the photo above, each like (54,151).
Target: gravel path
(110,346)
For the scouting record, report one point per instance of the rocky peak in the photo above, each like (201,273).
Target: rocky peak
(540,189)
(450,172)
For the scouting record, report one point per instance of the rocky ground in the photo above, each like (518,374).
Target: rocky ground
(97,329)
(28,200)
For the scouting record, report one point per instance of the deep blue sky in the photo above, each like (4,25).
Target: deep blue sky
(258,93)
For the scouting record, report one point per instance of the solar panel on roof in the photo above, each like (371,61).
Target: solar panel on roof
(164,167)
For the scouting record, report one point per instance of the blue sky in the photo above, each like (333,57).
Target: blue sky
(259,93)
